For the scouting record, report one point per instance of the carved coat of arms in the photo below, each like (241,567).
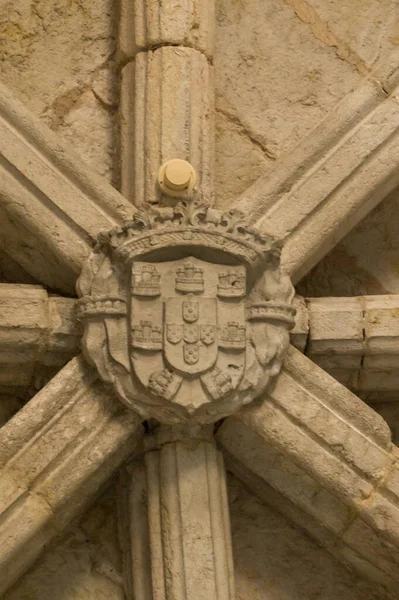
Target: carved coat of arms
(186,312)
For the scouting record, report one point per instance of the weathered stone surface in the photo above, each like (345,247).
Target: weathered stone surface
(354,29)
(353,339)
(78,40)
(328,469)
(336,332)
(327,200)
(85,563)
(145,25)
(166,112)
(239,160)
(49,199)
(275,81)
(55,455)
(311,428)
(36,331)
(293,183)
(365,261)
(178,523)
(275,560)
(39,335)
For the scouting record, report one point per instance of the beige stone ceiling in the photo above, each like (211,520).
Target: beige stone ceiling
(282,66)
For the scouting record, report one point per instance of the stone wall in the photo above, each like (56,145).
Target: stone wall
(274,560)
(58,56)
(84,565)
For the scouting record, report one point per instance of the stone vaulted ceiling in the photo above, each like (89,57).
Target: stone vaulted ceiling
(315,153)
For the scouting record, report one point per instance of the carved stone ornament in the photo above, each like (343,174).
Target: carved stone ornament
(186,312)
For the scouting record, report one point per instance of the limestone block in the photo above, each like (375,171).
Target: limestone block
(324,466)
(91,128)
(179,544)
(376,381)
(275,560)
(386,70)
(166,113)
(354,339)
(331,180)
(49,199)
(28,525)
(333,430)
(83,564)
(336,331)
(56,453)
(63,335)
(300,333)
(77,39)
(257,460)
(23,322)
(336,399)
(145,25)
(368,543)
(381,513)
(272,87)
(381,332)
(334,445)
(98,457)
(239,161)
(368,178)
(348,377)
(35,330)
(354,28)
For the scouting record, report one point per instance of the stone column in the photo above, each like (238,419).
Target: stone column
(167,97)
(180,541)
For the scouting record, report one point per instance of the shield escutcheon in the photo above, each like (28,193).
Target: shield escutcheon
(208,333)
(191,353)
(190,311)
(174,333)
(197,351)
(190,334)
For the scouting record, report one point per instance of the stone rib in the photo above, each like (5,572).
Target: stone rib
(342,170)
(146,25)
(331,456)
(55,455)
(176,517)
(49,199)
(166,112)
(38,335)
(353,339)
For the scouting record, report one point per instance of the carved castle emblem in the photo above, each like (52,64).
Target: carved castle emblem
(186,312)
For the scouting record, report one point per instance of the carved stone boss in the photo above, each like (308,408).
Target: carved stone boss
(186,312)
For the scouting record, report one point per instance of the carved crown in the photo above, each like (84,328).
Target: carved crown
(189,224)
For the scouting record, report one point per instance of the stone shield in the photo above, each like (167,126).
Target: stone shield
(190,354)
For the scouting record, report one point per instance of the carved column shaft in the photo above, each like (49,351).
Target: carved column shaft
(179,524)
(167,97)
